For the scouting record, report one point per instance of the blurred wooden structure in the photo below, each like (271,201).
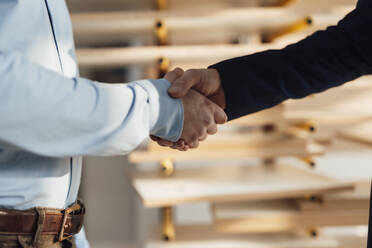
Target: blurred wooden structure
(279,205)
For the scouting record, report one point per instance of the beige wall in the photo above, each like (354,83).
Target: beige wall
(110,201)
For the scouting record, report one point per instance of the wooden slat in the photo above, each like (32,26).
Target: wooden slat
(99,5)
(273,151)
(231,183)
(206,237)
(137,22)
(342,104)
(108,57)
(226,141)
(360,133)
(357,199)
(281,216)
(348,237)
(233,19)
(273,115)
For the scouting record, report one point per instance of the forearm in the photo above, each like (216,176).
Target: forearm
(51,115)
(324,60)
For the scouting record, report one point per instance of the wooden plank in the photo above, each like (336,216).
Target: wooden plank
(111,57)
(357,199)
(279,216)
(231,183)
(348,237)
(144,21)
(206,237)
(225,141)
(360,133)
(107,5)
(237,20)
(273,115)
(344,103)
(200,154)
(187,26)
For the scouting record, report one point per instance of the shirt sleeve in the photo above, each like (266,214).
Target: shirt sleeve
(46,113)
(323,60)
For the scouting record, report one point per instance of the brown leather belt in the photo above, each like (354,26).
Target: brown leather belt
(64,223)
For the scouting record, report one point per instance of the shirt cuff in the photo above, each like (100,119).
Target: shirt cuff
(166,113)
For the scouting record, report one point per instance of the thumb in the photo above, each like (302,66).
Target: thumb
(183,84)
(220,116)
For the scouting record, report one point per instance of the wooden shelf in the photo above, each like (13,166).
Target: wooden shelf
(338,104)
(108,5)
(227,145)
(206,237)
(279,216)
(360,133)
(357,199)
(111,57)
(274,115)
(274,150)
(254,141)
(223,20)
(334,209)
(231,183)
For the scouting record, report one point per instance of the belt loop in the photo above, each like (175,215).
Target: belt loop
(39,227)
(24,242)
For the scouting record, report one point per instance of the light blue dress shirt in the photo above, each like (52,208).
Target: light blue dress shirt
(49,117)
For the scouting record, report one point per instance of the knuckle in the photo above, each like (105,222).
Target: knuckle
(212,129)
(178,71)
(194,137)
(191,72)
(204,137)
(207,122)
(200,133)
(194,144)
(208,104)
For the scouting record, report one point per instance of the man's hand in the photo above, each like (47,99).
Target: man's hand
(201,117)
(205,81)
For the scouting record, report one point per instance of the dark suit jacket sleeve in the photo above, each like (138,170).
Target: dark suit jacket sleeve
(323,60)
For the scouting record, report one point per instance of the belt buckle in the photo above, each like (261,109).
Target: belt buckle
(66,213)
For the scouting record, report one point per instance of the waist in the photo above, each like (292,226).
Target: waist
(62,223)
(28,180)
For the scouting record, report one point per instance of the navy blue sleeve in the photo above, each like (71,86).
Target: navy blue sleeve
(323,60)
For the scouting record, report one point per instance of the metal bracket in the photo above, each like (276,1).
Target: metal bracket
(309,126)
(308,160)
(315,199)
(161,32)
(163,66)
(313,232)
(161,4)
(277,3)
(166,167)
(168,231)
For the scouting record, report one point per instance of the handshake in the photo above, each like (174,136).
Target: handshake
(204,102)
